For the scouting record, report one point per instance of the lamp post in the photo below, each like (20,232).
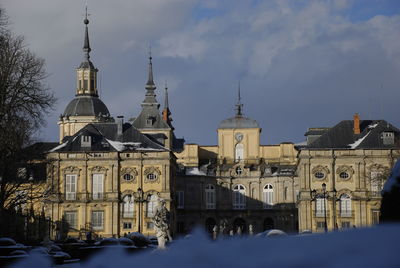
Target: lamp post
(314,195)
(140,199)
(324,195)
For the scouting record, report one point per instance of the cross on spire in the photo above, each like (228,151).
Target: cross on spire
(86,44)
(239,105)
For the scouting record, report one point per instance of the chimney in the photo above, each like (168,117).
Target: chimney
(356,121)
(120,122)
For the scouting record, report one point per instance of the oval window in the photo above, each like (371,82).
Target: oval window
(151,176)
(128,177)
(319,175)
(344,175)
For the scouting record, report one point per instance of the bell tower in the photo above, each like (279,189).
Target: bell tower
(86,107)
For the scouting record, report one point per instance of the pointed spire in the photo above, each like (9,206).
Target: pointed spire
(86,45)
(150,98)
(239,105)
(166,113)
(150,81)
(166,104)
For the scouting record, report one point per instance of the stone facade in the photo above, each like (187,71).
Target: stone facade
(353,176)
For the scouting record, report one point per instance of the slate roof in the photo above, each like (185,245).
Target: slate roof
(238,122)
(342,136)
(104,137)
(85,105)
(150,112)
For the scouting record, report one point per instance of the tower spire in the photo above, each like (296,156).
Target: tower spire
(239,105)
(86,44)
(166,113)
(86,72)
(166,103)
(150,81)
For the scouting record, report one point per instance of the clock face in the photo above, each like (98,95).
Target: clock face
(238,136)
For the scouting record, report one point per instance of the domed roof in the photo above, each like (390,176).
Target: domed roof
(238,122)
(86,106)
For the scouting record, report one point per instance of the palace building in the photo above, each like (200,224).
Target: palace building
(106,174)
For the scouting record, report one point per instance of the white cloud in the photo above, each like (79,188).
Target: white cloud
(295,58)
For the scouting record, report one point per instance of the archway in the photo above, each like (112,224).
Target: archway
(239,222)
(210,223)
(269,224)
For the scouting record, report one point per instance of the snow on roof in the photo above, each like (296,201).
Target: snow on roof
(361,247)
(59,147)
(372,126)
(194,171)
(121,146)
(358,142)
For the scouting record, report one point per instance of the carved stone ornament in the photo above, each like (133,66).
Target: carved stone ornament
(238,171)
(239,136)
(378,168)
(72,170)
(344,172)
(98,169)
(319,172)
(129,175)
(152,175)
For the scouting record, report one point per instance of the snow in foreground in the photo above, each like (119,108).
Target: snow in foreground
(369,247)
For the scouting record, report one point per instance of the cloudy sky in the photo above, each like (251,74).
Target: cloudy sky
(301,63)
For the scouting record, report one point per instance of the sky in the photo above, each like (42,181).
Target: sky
(300,63)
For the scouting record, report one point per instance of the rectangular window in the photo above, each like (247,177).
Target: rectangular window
(345,207)
(127,225)
(150,226)
(98,186)
(86,141)
(320,225)
(210,199)
(239,200)
(346,224)
(320,207)
(85,84)
(71,219)
(91,84)
(180,196)
(97,220)
(375,217)
(388,138)
(70,186)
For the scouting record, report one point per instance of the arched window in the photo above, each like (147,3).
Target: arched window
(210,196)
(345,205)
(127,206)
(239,197)
(268,196)
(151,205)
(239,152)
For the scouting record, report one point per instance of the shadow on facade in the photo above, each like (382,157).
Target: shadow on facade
(220,205)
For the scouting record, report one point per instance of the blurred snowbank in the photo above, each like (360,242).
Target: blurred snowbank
(369,247)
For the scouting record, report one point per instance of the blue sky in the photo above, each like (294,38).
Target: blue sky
(301,63)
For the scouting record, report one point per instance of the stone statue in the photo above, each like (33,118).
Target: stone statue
(251,232)
(239,231)
(161,223)
(215,232)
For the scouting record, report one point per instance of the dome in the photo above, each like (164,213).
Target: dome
(238,122)
(86,106)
